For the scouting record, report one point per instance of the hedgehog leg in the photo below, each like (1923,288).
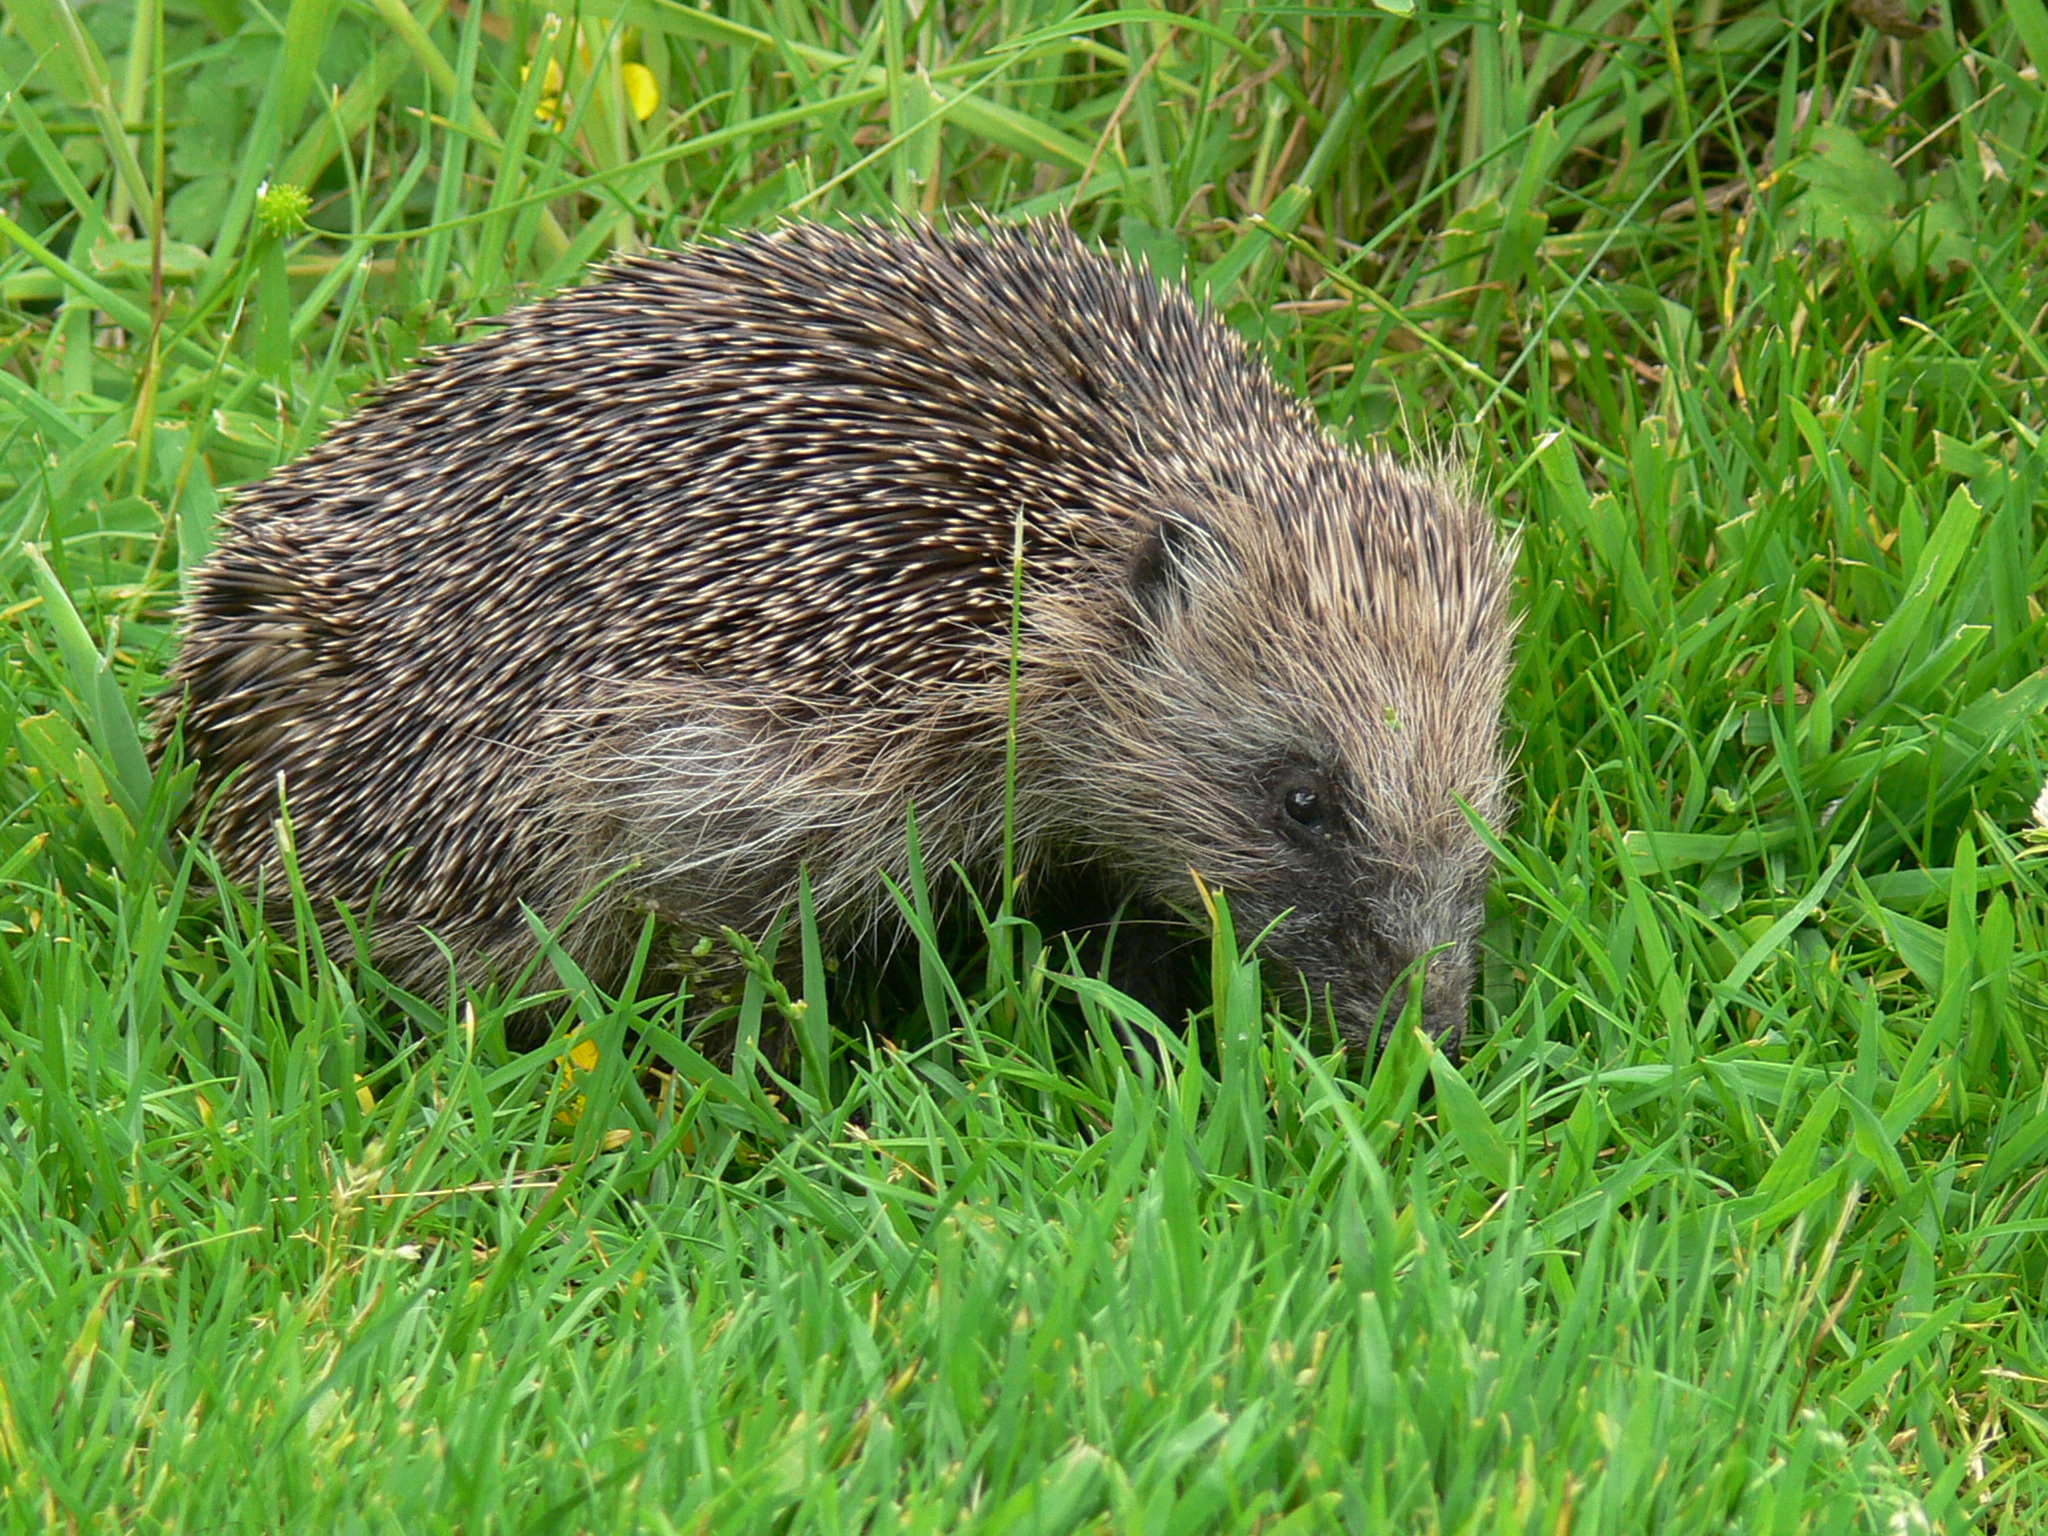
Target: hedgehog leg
(705,810)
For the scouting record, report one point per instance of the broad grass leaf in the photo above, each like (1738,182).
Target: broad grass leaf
(1851,191)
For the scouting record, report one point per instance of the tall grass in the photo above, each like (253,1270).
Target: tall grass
(1735,1219)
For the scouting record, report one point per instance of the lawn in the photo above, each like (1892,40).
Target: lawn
(1733,1217)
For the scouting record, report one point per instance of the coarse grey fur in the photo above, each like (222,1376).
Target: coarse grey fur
(703,573)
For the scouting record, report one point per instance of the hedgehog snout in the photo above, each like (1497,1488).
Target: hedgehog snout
(1386,971)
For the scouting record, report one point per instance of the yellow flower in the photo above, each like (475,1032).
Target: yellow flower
(549,108)
(642,94)
(581,1061)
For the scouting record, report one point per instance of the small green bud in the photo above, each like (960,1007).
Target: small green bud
(281,209)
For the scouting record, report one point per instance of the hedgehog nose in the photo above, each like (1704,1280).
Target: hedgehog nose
(1446,996)
(1444,1015)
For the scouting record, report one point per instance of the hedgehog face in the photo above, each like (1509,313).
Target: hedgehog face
(1308,706)
(1359,905)
(1357,890)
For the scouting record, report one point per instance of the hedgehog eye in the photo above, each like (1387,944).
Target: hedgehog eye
(1308,804)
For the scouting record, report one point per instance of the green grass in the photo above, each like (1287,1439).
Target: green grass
(1735,1219)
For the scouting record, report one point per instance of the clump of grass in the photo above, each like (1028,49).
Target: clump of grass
(1733,1221)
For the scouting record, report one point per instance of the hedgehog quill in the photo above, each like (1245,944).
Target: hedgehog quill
(696,578)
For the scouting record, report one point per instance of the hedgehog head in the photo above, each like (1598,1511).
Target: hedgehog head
(1301,702)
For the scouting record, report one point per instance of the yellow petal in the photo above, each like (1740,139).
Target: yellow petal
(582,1058)
(551,82)
(642,94)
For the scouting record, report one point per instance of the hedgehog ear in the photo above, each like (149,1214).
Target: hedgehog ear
(1163,565)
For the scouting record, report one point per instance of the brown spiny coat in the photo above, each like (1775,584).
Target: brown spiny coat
(704,573)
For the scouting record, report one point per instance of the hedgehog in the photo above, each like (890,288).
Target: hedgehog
(687,585)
